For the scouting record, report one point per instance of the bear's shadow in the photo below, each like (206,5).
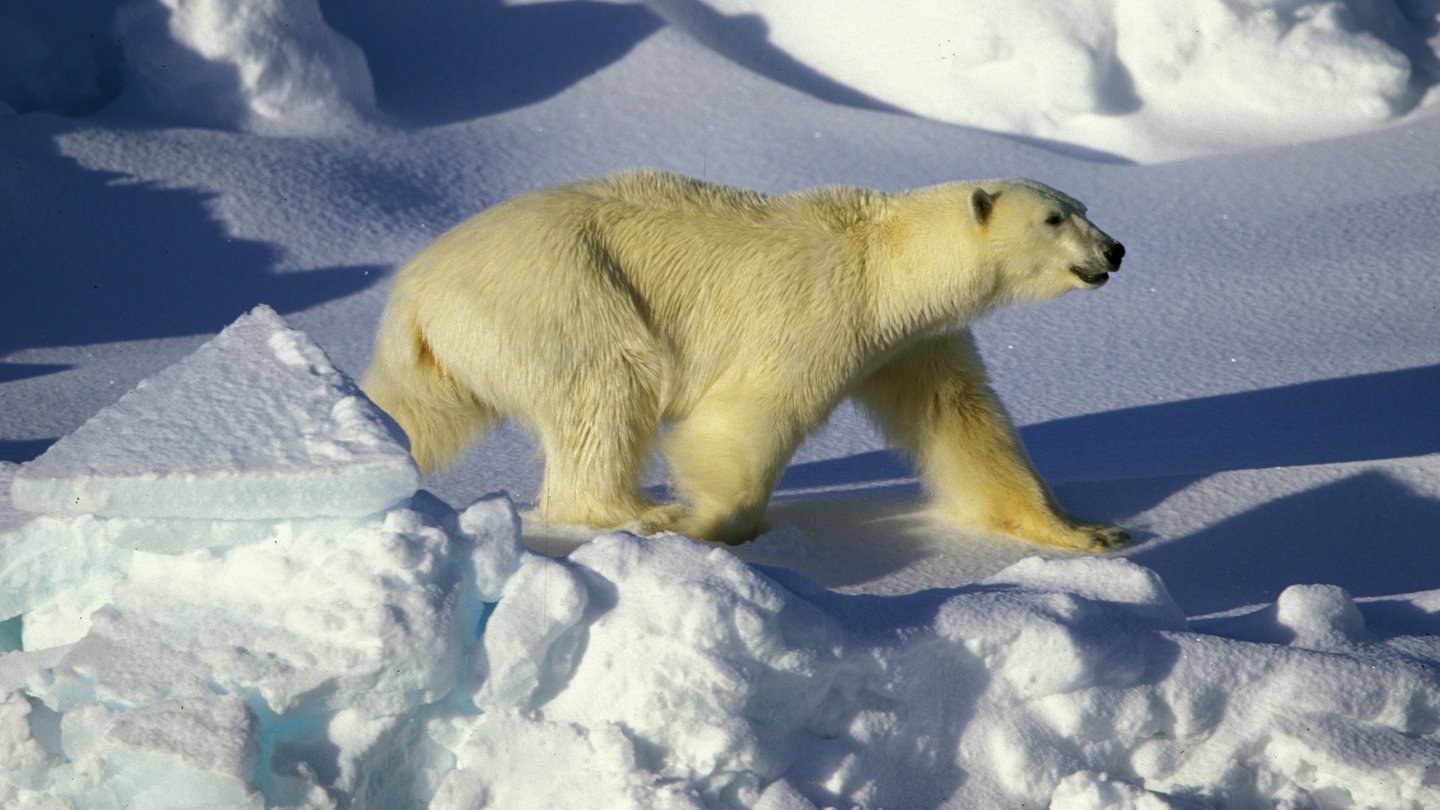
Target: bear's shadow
(1368,532)
(855,522)
(859,523)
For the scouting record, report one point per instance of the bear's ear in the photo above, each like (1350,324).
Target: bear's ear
(982,203)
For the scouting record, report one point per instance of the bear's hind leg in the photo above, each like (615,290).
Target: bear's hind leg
(725,458)
(595,455)
(439,416)
(935,401)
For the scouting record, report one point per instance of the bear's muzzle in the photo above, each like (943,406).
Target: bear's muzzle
(1113,254)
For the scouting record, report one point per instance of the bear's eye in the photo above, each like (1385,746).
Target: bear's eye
(1054,219)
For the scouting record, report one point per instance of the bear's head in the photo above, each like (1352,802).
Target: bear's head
(1040,241)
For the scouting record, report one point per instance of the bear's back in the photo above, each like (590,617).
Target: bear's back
(664,191)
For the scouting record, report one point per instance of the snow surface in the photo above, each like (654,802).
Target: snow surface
(1255,396)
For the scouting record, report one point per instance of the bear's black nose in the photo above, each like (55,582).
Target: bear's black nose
(1114,254)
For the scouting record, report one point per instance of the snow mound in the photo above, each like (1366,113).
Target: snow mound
(57,56)
(367,669)
(420,656)
(662,669)
(269,66)
(1145,80)
(256,425)
(223,677)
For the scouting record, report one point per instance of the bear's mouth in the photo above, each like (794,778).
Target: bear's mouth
(1093,279)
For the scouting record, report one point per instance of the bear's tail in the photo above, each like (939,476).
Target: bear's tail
(439,415)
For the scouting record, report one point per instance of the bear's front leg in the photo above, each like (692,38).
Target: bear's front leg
(934,400)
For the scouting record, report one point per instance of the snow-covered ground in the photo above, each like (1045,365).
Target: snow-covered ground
(222,591)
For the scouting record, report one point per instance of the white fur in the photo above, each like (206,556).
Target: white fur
(595,312)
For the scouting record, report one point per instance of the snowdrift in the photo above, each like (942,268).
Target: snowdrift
(225,633)
(1142,80)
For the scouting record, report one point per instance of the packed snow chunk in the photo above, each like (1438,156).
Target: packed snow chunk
(57,593)
(736,665)
(1054,626)
(56,572)
(178,535)
(503,759)
(710,669)
(781,795)
(1115,581)
(1317,617)
(257,424)
(664,665)
(286,672)
(492,526)
(1320,616)
(1341,765)
(1283,726)
(1270,66)
(29,747)
(1085,790)
(379,619)
(199,752)
(532,638)
(268,66)
(1074,685)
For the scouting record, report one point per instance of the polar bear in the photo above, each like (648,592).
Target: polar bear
(599,312)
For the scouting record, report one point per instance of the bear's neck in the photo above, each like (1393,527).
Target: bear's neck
(919,289)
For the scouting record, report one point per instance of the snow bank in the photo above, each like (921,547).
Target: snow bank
(420,656)
(1141,79)
(269,66)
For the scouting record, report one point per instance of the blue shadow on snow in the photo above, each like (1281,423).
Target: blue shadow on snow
(444,61)
(98,257)
(1389,414)
(1369,533)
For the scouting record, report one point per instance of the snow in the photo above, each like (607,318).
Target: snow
(253,602)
